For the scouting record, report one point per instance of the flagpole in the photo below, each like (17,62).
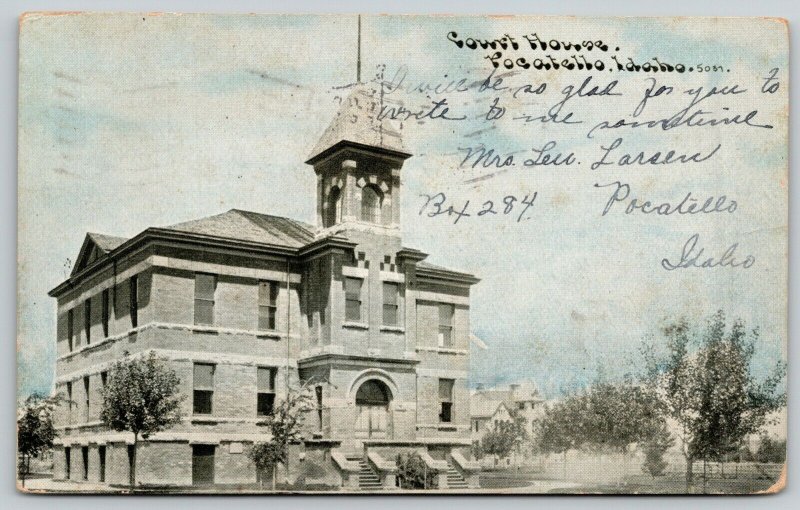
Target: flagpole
(358,59)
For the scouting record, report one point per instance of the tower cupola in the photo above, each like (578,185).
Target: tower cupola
(357,162)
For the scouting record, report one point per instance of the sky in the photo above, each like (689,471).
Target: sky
(129,121)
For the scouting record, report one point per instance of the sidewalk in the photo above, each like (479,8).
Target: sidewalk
(71,487)
(65,486)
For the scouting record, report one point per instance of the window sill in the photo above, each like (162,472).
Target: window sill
(442,350)
(393,329)
(451,350)
(274,335)
(447,427)
(355,325)
(205,328)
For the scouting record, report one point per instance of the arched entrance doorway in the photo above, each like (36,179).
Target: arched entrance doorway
(373,416)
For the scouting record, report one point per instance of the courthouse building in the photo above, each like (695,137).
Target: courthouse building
(244,306)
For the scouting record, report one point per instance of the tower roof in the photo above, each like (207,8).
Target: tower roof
(357,124)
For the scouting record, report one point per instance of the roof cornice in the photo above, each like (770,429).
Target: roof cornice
(411,254)
(155,235)
(326,244)
(336,358)
(344,144)
(443,274)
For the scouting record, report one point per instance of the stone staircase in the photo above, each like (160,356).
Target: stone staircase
(454,478)
(368,480)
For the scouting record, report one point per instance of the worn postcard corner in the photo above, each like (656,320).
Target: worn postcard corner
(347,254)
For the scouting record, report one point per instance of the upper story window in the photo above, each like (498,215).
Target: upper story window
(334,210)
(266,391)
(352,297)
(205,285)
(106,312)
(446,313)
(86,398)
(134,301)
(87,320)
(371,202)
(69,401)
(203,388)
(70,328)
(446,400)
(267,305)
(391,300)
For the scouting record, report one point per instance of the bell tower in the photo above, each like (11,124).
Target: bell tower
(357,162)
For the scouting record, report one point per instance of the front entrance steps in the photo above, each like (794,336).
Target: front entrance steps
(368,480)
(454,478)
(372,471)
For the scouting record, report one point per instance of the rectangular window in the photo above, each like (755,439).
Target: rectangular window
(85,458)
(267,305)
(86,398)
(103,378)
(322,272)
(105,313)
(446,399)
(70,328)
(131,461)
(318,392)
(68,462)
(266,391)
(203,388)
(352,298)
(69,402)
(87,320)
(203,464)
(205,285)
(391,299)
(101,451)
(134,301)
(446,312)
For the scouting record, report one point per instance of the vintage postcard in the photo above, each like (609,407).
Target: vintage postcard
(402,254)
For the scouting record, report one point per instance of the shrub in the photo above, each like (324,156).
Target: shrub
(412,473)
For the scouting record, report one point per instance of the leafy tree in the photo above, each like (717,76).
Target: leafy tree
(477,452)
(659,442)
(561,428)
(504,437)
(771,450)
(708,387)
(35,431)
(619,415)
(141,396)
(605,416)
(412,473)
(285,424)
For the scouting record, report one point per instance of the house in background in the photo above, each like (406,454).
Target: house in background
(492,406)
(245,306)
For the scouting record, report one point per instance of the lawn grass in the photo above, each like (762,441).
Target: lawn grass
(673,484)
